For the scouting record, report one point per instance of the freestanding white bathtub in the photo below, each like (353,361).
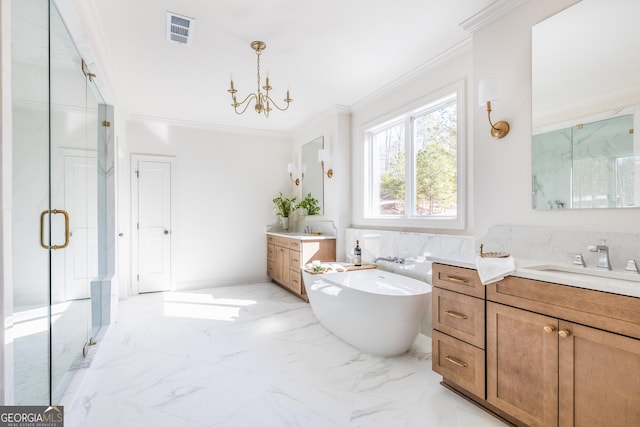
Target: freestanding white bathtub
(374,310)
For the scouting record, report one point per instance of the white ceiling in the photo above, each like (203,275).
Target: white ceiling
(333,52)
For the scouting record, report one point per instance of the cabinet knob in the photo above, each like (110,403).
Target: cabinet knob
(564,333)
(548,329)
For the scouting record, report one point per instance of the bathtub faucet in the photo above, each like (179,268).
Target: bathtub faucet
(390,259)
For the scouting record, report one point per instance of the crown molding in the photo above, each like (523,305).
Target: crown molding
(489,14)
(208,126)
(320,118)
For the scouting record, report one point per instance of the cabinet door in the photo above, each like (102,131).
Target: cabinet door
(271,259)
(599,378)
(281,267)
(522,364)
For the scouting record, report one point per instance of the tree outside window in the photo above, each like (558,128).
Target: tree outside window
(431,174)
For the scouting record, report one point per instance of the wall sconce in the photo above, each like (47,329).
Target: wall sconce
(322,157)
(488,94)
(290,169)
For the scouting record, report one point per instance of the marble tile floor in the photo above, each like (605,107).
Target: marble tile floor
(253,355)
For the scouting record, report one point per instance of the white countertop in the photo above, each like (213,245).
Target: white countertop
(301,236)
(585,281)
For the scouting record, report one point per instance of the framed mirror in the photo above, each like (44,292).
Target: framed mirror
(585,107)
(313,181)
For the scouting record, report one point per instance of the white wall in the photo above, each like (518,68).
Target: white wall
(502,178)
(335,127)
(224,185)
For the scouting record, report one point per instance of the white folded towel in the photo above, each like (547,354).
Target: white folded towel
(493,269)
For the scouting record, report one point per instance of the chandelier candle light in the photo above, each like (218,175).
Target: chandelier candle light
(264,102)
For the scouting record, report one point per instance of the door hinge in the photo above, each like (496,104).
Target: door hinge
(106,123)
(137,174)
(138,277)
(85,347)
(138,226)
(85,71)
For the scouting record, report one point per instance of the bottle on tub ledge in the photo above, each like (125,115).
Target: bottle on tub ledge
(357,254)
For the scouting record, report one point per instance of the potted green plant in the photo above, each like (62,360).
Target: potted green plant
(282,207)
(308,206)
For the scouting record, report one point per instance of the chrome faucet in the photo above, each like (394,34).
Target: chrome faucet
(632,266)
(390,259)
(603,255)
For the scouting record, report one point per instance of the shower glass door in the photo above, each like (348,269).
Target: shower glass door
(31,269)
(55,236)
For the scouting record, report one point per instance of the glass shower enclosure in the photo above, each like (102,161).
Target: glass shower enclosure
(58,127)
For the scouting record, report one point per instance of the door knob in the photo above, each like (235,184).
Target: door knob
(166,231)
(548,329)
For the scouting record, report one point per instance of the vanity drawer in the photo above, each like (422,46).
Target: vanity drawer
(281,241)
(295,282)
(459,362)
(294,261)
(270,239)
(294,245)
(457,279)
(458,315)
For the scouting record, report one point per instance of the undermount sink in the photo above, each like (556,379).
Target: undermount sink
(566,270)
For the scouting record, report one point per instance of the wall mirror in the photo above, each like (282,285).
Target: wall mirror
(313,181)
(585,106)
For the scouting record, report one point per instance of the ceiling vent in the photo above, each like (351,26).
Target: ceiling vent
(179,28)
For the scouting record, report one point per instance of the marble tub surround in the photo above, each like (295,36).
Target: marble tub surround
(253,355)
(414,248)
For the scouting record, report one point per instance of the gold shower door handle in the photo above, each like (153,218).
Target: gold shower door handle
(66,228)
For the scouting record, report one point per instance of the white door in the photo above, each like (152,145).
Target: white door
(80,200)
(154,225)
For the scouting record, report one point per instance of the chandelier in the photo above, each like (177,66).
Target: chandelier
(263,100)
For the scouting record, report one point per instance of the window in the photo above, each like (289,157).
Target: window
(413,167)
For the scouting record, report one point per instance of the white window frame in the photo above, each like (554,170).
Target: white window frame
(407,113)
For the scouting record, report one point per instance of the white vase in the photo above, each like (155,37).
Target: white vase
(285,222)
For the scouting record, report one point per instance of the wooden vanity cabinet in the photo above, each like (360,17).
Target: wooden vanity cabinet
(286,257)
(549,363)
(555,355)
